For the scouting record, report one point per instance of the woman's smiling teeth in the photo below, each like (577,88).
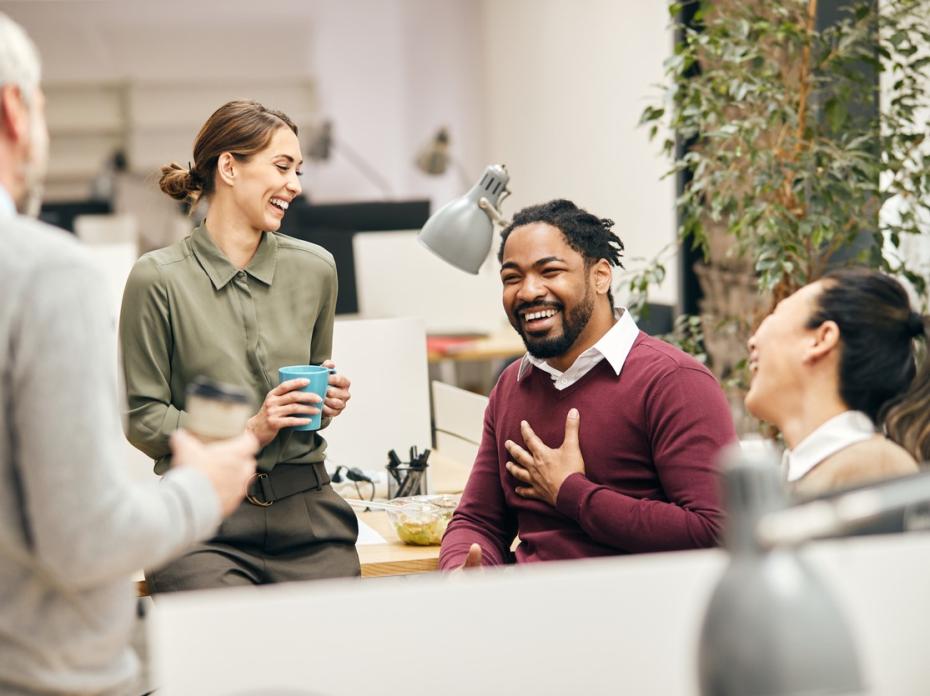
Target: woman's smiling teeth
(280,203)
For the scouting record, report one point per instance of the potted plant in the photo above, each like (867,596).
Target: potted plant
(791,150)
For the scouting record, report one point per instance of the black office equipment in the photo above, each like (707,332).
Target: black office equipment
(62,214)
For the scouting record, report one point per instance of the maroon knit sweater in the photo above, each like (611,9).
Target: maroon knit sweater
(650,439)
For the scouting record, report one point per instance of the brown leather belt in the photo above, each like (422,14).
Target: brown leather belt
(285,480)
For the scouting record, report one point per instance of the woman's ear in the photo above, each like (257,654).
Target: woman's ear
(226,168)
(824,340)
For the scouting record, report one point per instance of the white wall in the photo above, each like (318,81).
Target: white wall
(387,72)
(552,88)
(567,81)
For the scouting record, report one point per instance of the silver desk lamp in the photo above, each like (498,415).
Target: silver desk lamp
(772,627)
(461,231)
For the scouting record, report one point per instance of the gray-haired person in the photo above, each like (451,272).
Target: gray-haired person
(73,528)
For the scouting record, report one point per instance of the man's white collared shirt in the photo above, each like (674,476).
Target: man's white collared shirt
(834,435)
(7,206)
(614,346)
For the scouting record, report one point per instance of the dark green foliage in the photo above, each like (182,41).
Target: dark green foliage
(786,161)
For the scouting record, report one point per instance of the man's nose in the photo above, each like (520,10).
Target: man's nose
(531,289)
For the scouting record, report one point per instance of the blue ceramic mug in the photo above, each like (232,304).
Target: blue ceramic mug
(319,383)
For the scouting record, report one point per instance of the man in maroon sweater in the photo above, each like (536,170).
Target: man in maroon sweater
(601,440)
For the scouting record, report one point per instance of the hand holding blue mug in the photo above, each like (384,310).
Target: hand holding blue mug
(324,382)
(287,405)
(316,383)
(337,396)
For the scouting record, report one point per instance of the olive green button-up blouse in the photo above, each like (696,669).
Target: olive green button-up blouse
(187,311)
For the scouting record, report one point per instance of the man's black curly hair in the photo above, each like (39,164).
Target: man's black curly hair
(589,235)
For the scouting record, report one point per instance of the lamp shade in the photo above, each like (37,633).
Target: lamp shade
(772,628)
(433,159)
(461,231)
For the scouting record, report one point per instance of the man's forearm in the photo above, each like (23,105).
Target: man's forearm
(634,525)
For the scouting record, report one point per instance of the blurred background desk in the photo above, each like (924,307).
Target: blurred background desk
(472,362)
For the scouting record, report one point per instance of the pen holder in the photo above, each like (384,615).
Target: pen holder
(405,480)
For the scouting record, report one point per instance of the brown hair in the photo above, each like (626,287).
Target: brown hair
(908,420)
(242,128)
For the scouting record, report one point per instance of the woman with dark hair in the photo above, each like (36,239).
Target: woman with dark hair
(234,302)
(834,368)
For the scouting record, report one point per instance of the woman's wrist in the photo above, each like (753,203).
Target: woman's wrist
(252,426)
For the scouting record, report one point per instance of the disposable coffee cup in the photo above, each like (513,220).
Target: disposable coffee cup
(216,411)
(319,383)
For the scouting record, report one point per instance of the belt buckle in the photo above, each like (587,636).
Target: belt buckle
(259,477)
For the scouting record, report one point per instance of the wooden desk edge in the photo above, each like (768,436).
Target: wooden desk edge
(409,567)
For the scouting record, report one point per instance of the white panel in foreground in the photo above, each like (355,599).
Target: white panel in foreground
(617,626)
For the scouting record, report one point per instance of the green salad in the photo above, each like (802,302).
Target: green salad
(419,532)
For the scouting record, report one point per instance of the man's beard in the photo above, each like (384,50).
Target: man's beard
(34,168)
(573,323)
(31,202)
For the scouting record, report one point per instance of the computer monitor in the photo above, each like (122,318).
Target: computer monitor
(62,214)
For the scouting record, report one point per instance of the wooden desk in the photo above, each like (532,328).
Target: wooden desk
(395,557)
(377,560)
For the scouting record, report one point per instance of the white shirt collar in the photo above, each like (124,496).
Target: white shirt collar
(7,206)
(614,346)
(836,434)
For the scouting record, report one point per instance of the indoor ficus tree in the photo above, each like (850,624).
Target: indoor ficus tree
(791,149)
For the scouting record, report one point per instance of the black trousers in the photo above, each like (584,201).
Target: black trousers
(306,536)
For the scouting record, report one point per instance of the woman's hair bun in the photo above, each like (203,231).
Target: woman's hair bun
(178,182)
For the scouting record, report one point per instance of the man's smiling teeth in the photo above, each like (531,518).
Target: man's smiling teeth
(544,314)
(280,203)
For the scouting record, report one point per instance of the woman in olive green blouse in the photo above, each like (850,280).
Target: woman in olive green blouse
(235,301)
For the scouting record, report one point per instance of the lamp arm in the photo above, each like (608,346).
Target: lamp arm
(493,212)
(820,518)
(460,170)
(366,169)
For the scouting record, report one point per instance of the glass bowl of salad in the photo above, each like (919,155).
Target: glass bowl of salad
(421,520)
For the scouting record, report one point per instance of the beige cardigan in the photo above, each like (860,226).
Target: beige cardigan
(860,463)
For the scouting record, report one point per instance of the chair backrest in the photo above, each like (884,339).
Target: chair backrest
(389,409)
(458,416)
(107,229)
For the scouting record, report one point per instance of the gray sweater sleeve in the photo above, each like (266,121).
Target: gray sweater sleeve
(87,520)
